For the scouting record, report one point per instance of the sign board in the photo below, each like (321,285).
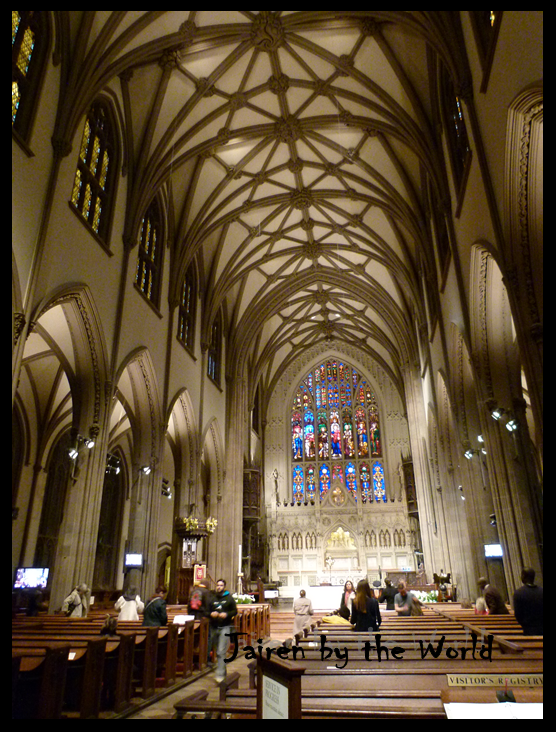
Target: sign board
(275,699)
(278,688)
(199,572)
(491,680)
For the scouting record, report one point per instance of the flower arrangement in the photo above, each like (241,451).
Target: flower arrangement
(191,523)
(243,599)
(431,596)
(211,524)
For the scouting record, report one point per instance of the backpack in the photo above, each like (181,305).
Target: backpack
(196,601)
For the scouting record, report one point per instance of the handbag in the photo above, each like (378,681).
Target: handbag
(416,609)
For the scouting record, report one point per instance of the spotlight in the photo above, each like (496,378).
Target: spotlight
(73,452)
(146,469)
(511,426)
(497,413)
(88,443)
(492,518)
(469,453)
(460,489)
(480,438)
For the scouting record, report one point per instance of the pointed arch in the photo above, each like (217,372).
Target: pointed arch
(140,392)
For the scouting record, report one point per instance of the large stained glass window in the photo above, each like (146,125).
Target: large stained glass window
(335,434)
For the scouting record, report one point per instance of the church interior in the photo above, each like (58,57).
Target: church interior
(277,298)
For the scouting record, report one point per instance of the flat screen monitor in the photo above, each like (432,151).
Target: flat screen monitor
(493,550)
(133,561)
(30,577)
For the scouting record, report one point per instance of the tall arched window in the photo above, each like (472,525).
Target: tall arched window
(93,186)
(30,42)
(148,276)
(188,309)
(335,433)
(215,350)
(457,136)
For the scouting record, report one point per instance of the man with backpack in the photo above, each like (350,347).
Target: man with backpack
(200,600)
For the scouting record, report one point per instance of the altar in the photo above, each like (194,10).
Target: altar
(323,597)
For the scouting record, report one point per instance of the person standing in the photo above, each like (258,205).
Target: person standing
(365,612)
(200,600)
(528,604)
(388,595)
(129,605)
(155,613)
(404,600)
(346,600)
(223,611)
(302,611)
(76,604)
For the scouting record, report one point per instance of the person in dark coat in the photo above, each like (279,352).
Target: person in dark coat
(388,594)
(365,612)
(154,613)
(528,604)
(200,600)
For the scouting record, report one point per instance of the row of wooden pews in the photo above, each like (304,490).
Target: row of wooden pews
(441,658)
(252,622)
(64,667)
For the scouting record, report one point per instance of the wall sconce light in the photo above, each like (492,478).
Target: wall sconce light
(112,464)
(166,490)
(73,451)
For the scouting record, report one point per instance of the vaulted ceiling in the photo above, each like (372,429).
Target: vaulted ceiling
(293,149)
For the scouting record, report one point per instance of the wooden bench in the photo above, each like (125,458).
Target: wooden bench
(102,672)
(376,707)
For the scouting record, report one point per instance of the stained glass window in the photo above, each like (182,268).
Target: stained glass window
(91,193)
(378,482)
(188,309)
(149,258)
(30,40)
(335,431)
(214,360)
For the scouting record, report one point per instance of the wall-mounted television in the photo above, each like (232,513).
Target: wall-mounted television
(27,578)
(133,561)
(493,550)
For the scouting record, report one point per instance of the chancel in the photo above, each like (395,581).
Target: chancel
(277,302)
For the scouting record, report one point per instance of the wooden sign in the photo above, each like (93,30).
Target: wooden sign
(278,689)
(486,681)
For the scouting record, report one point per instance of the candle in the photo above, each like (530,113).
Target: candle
(239,565)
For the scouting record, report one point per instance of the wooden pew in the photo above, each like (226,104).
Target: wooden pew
(148,651)
(38,683)
(84,674)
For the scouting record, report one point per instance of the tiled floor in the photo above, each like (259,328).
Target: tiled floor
(164,708)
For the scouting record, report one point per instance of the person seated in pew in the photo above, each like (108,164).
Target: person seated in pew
(528,604)
(155,613)
(129,605)
(76,604)
(493,598)
(35,603)
(405,600)
(481,606)
(365,612)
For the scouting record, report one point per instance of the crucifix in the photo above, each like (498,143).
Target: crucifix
(329,563)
